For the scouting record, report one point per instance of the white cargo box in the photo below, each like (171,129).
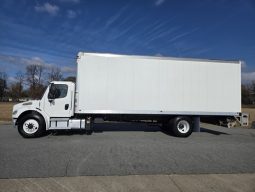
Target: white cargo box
(121,84)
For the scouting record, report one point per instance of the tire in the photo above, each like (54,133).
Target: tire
(181,126)
(31,126)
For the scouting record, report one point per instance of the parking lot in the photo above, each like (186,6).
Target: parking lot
(126,149)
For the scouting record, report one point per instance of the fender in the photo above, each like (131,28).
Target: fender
(25,108)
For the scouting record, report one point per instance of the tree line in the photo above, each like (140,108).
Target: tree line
(248,94)
(31,83)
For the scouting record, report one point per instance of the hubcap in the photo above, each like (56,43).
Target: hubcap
(30,126)
(183,126)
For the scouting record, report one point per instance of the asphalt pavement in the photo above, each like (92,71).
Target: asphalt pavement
(126,149)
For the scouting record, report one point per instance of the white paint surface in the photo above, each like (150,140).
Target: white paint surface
(133,84)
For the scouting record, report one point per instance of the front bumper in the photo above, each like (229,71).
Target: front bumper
(14,121)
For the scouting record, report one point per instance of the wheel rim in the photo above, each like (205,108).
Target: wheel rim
(30,126)
(183,126)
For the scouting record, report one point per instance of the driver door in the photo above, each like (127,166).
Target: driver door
(59,101)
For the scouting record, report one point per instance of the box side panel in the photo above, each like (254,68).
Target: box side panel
(137,85)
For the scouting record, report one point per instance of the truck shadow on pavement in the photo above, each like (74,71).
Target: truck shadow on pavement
(110,127)
(212,131)
(102,127)
(119,127)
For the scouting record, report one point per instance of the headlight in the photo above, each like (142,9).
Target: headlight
(14,112)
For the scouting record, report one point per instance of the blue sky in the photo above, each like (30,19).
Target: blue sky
(52,32)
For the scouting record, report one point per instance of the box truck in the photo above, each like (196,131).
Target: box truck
(172,92)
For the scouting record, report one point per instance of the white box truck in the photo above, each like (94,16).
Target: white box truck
(169,91)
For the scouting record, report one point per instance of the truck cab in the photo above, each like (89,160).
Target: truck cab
(56,106)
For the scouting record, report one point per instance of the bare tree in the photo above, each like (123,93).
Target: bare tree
(40,70)
(3,84)
(14,91)
(246,99)
(70,78)
(253,86)
(31,73)
(55,74)
(248,94)
(34,79)
(20,78)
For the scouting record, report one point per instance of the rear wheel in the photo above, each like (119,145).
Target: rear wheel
(182,126)
(31,126)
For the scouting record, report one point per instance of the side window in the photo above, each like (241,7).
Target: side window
(58,91)
(61,91)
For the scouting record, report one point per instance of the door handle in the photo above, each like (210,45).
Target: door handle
(66,106)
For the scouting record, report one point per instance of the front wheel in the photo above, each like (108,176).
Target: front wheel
(31,126)
(182,126)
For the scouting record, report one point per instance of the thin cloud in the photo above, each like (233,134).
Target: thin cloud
(182,35)
(158,29)
(48,8)
(11,59)
(71,14)
(115,17)
(126,30)
(248,77)
(68,69)
(243,64)
(158,55)
(159,2)
(70,1)
(163,33)
(200,51)
(22,62)
(11,80)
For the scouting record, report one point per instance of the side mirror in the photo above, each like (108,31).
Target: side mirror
(52,92)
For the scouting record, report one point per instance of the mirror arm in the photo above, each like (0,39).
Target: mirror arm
(51,100)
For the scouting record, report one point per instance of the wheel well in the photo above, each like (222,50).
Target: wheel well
(30,112)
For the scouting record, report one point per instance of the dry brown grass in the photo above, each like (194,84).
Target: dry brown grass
(6,111)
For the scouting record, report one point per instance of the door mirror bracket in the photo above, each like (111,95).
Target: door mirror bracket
(50,100)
